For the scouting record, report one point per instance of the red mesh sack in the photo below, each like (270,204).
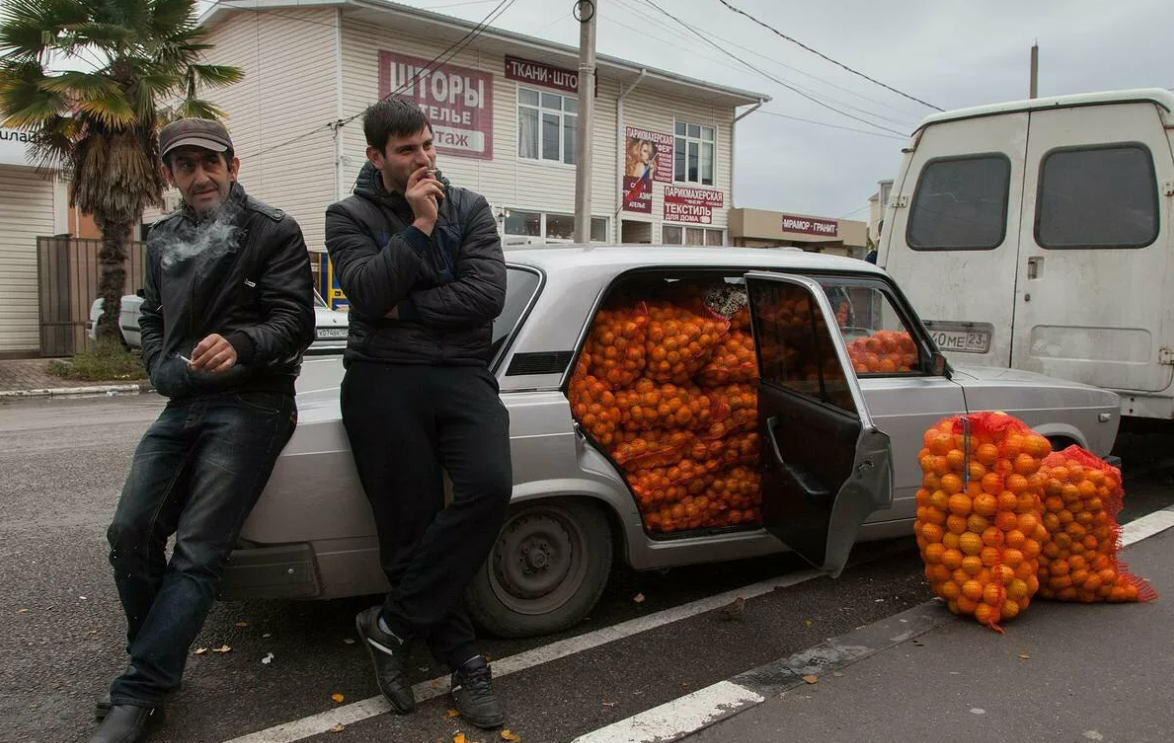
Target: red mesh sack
(649,405)
(593,405)
(737,493)
(638,450)
(732,360)
(1082,497)
(885,352)
(680,340)
(737,411)
(674,498)
(615,347)
(744,447)
(979,520)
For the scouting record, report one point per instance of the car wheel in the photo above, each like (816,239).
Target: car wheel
(547,570)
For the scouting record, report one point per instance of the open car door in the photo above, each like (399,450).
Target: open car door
(825,465)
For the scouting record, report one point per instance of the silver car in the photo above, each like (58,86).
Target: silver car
(839,436)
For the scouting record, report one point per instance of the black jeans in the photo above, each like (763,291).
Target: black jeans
(408,425)
(197,473)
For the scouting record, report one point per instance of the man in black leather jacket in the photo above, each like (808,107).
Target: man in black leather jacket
(420,261)
(226,315)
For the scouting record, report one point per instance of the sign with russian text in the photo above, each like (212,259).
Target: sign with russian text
(14,146)
(540,73)
(810,226)
(691,205)
(648,154)
(637,194)
(458,101)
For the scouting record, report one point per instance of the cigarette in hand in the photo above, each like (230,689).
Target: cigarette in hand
(184,358)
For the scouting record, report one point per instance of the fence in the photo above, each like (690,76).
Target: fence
(67,274)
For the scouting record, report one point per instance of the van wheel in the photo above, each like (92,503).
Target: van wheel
(547,570)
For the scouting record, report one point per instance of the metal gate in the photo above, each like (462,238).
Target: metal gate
(67,274)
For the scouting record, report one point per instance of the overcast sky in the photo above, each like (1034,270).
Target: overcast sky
(951,53)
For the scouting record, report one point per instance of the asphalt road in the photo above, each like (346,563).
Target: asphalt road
(63,463)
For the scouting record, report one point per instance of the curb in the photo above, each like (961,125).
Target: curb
(100,389)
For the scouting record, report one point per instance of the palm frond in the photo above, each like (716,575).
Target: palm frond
(216,76)
(113,112)
(172,16)
(81,85)
(197,108)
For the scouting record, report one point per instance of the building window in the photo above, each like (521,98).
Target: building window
(693,154)
(1097,197)
(960,204)
(546,126)
(673,235)
(552,226)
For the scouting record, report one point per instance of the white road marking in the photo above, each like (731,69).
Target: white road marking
(679,717)
(425,690)
(1146,526)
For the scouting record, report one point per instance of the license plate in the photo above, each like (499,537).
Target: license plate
(963,337)
(332,332)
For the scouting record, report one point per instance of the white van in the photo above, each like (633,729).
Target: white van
(1038,234)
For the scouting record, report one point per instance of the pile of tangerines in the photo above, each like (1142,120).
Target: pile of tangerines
(885,352)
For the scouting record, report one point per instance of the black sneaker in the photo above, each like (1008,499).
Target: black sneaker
(390,657)
(472,691)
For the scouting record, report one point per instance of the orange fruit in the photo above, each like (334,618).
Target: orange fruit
(950,540)
(956,459)
(986,614)
(931,533)
(960,504)
(951,558)
(1036,446)
(956,524)
(1012,558)
(989,556)
(985,504)
(949,590)
(970,543)
(972,590)
(1008,501)
(1031,549)
(1016,590)
(1014,539)
(967,606)
(1028,522)
(994,594)
(951,483)
(972,565)
(987,454)
(1006,520)
(977,524)
(1016,483)
(992,536)
(933,553)
(1009,609)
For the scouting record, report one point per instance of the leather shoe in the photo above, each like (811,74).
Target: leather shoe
(389,656)
(126,723)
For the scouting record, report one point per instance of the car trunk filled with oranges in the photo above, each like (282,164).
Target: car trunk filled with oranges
(1002,519)
(666,385)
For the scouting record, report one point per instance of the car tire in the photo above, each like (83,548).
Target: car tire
(547,569)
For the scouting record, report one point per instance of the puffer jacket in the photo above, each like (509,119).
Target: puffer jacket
(245,274)
(446,288)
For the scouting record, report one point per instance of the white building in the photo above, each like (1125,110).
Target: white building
(503,108)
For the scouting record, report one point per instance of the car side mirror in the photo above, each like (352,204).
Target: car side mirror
(939,367)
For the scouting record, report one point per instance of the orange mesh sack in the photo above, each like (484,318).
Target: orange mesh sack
(1082,497)
(680,340)
(650,405)
(674,498)
(885,352)
(594,406)
(737,411)
(737,491)
(732,361)
(615,347)
(979,520)
(638,450)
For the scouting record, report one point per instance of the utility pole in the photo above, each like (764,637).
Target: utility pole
(585,13)
(1033,89)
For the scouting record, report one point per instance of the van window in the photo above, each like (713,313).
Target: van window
(960,204)
(1097,197)
(878,340)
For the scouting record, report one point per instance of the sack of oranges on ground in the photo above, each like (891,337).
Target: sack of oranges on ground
(979,520)
(1082,496)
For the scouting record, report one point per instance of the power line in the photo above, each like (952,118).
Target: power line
(689,39)
(782,35)
(769,76)
(435,62)
(832,126)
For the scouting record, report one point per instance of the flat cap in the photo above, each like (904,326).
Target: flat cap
(206,133)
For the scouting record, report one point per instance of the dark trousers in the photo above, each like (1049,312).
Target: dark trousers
(197,473)
(408,425)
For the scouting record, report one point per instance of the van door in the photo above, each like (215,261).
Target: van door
(1096,244)
(826,467)
(951,237)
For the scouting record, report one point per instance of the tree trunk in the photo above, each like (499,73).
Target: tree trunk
(111,276)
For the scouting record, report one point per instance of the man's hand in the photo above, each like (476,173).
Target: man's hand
(213,354)
(393,314)
(423,194)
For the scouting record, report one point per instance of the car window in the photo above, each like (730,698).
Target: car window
(520,286)
(960,204)
(878,339)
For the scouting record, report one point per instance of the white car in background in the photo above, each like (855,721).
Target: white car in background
(330,336)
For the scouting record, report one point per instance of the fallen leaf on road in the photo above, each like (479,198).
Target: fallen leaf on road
(488,657)
(458,738)
(1024,656)
(639,598)
(92,632)
(435,683)
(452,713)
(337,698)
(338,728)
(507,735)
(609,704)
(267,659)
(22,611)
(349,640)
(808,622)
(811,679)
(200,651)
(222,649)
(267,635)
(83,598)
(242,624)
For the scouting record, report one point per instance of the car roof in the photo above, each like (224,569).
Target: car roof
(564,257)
(1163,99)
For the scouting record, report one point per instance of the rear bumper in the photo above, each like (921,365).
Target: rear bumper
(287,571)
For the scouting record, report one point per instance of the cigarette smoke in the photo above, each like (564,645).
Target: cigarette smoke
(211,236)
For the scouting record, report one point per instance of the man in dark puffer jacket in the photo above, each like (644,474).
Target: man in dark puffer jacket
(228,309)
(421,264)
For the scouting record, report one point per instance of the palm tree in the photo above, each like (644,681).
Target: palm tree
(100,124)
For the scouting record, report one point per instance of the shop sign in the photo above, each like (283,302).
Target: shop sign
(457,100)
(811,226)
(648,154)
(691,205)
(14,146)
(637,194)
(545,75)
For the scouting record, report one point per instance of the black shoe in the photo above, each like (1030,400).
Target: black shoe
(472,691)
(126,723)
(102,707)
(389,656)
